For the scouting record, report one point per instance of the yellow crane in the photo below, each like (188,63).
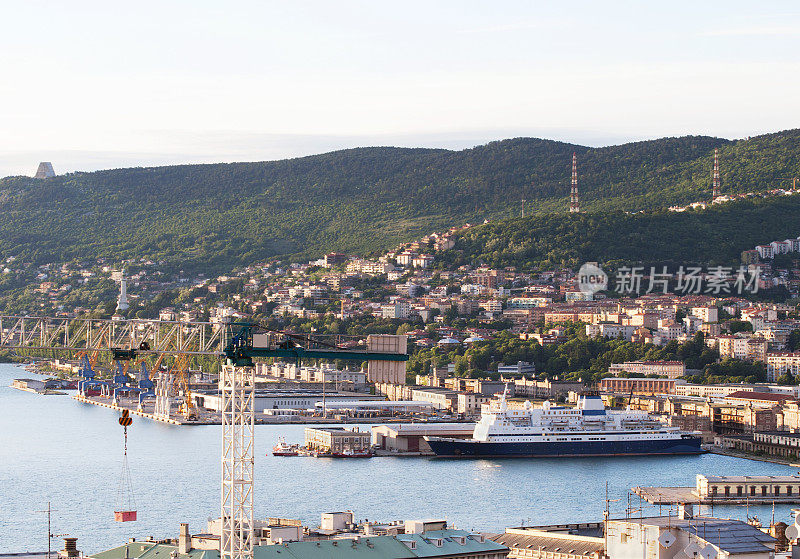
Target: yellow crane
(180,372)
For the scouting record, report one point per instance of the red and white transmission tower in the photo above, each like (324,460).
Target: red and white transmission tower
(715,183)
(574,204)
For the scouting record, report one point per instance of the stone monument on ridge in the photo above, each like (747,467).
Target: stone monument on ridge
(45,171)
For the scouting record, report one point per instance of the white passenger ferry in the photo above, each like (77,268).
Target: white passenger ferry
(552,431)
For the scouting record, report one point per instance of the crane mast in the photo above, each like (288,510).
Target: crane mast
(237,385)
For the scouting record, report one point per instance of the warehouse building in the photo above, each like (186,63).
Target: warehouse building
(410,437)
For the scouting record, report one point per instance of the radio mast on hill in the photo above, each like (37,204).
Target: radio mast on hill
(574,204)
(715,183)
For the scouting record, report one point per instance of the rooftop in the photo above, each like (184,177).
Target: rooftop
(436,543)
(745,479)
(450,540)
(732,536)
(551,543)
(746,395)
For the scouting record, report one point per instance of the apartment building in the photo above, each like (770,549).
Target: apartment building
(638,385)
(707,313)
(733,346)
(781,362)
(609,330)
(711,390)
(669,369)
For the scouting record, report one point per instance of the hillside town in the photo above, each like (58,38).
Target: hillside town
(449,314)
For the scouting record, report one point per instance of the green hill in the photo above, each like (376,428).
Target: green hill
(217,216)
(715,236)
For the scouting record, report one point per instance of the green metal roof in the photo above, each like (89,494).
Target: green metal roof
(151,550)
(380,547)
(450,543)
(377,547)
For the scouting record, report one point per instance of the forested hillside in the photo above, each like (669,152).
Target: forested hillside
(217,216)
(714,236)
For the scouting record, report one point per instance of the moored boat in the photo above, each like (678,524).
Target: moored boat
(348,453)
(558,431)
(285,449)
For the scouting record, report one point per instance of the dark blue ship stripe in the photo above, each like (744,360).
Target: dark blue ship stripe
(479,449)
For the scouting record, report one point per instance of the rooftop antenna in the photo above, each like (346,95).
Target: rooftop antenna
(574,204)
(50,534)
(715,190)
(606,516)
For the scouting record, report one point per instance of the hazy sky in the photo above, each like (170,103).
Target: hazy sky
(90,84)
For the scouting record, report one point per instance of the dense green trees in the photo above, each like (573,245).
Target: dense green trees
(715,236)
(579,358)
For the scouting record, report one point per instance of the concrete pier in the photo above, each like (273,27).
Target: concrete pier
(727,490)
(132,409)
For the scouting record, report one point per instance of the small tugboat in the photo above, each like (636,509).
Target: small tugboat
(284,449)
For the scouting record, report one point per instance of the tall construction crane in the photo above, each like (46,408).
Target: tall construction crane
(237,380)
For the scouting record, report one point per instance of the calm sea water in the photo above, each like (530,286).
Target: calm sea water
(53,448)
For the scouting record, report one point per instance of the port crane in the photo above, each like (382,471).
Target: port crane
(246,341)
(237,344)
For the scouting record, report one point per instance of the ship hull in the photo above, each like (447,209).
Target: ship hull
(470,448)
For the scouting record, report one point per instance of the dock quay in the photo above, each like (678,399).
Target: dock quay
(34,387)
(723,490)
(208,417)
(134,411)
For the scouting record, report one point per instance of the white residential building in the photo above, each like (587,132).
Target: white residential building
(780,247)
(609,330)
(405,258)
(492,305)
(422,261)
(733,346)
(692,324)
(669,330)
(707,314)
(528,302)
(782,362)
(398,309)
(765,251)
